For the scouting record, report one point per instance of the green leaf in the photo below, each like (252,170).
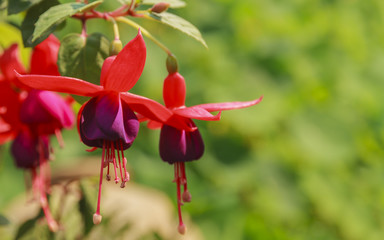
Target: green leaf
(82,57)
(28,24)
(86,207)
(179,24)
(28,225)
(3,220)
(173,3)
(16,6)
(57,14)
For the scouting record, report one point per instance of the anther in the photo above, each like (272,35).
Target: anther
(117,180)
(187,197)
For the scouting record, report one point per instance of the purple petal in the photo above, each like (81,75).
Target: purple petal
(180,145)
(108,118)
(57,107)
(89,132)
(47,111)
(25,150)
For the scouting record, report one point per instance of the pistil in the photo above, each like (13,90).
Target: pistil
(97,217)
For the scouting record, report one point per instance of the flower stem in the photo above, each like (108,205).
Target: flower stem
(145,32)
(115,28)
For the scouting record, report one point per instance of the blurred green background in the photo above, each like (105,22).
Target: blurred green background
(305,163)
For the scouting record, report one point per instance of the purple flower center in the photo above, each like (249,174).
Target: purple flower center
(180,145)
(107,119)
(30,151)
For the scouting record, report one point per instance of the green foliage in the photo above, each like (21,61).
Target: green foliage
(3,220)
(55,15)
(85,206)
(28,226)
(82,57)
(173,3)
(307,162)
(179,24)
(16,6)
(32,16)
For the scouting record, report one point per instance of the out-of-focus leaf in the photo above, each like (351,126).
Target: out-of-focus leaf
(3,220)
(173,3)
(16,6)
(85,207)
(28,24)
(57,14)
(28,225)
(178,23)
(82,57)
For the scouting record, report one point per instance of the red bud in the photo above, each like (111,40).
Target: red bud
(160,7)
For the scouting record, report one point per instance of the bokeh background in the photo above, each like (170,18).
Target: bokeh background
(305,163)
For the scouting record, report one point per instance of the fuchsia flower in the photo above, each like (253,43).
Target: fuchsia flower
(108,120)
(44,57)
(178,146)
(31,116)
(10,62)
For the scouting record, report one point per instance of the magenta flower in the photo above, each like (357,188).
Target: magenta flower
(108,120)
(29,117)
(178,146)
(10,62)
(44,57)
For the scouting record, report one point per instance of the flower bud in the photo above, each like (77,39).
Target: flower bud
(116,47)
(172,64)
(174,90)
(160,7)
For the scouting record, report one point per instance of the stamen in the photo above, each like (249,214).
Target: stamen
(97,217)
(44,171)
(126,174)
(35,184)
(39,188)
(108,177)
(187,197)
(59,137)
(114,163)
(121,169)
(52,224)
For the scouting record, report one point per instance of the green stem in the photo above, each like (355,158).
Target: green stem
(115,28)
(145,32)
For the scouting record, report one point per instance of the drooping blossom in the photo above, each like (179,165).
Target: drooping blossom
(178,146)
(108,120)
(31,116)
(44,57)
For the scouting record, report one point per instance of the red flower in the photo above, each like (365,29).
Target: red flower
(178,146)
(10,62)
(107,120)
(44,57)
(29,117)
